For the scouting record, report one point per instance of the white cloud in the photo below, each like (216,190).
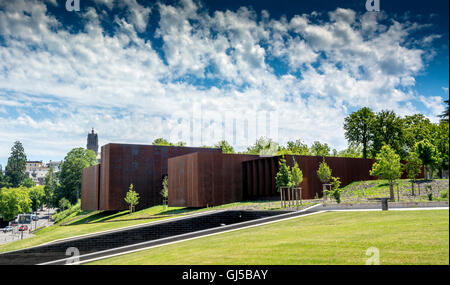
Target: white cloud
(60,84)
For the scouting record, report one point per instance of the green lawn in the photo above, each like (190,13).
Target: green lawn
(83,222)
(363,190)
(402,237)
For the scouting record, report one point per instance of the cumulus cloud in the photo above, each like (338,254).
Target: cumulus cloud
(223,65)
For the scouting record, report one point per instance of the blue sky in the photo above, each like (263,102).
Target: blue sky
(202,71)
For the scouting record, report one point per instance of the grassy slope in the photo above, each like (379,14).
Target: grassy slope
(408,237)
(86,223)
(380,188)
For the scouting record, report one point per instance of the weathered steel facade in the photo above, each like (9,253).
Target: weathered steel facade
(90,182)
(199,177)
(259,174)
(206,179)
(144,166)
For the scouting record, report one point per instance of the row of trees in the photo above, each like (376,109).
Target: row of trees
(61,188)
(371,131)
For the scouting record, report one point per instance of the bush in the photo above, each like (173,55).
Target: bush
(66,213)
(335,191)
(444,194)
(64,204)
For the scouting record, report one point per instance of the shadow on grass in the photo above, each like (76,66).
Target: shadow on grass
(98,217)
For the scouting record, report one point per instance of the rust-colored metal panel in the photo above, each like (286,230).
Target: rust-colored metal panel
(90,187)
(260,181)
(217,179)
(144,166)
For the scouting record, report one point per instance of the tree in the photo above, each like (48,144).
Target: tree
(70,173)
(413,168)
(50,188)
(165,188)
(296,175)
(132,198)
(283,176)
(357,128)
(14,201)
(324,172)
(3,179)
(440,139)
(428,154)
(444,115)
(64,204)
(161,141)
(319,149)
(37,196)
(15,169)
(296,148)
(335,191)
(387,166)
(417,128)
(351,151)
(225,147)
(28,182)
(387,128)
(263,146)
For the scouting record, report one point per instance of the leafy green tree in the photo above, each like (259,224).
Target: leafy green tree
(320,149)
(417,128)
(387,128)
(225,147)
(335,191)
(64,204)
(180,143)
(161,141)
(3,179)
(14,201)
(70,173)
(50,188)
(28,182)
(295,148)
(413,168)
(132,198)
(358,129)
(444,115)
(37,196)
(296,175)
(165,188)
(428,154)
(263,146)
(440,139)
(351,151)
(15,169)
(387,166)
(283,176)
(324,172)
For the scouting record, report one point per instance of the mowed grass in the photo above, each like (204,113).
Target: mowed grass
(83,222)
(402,237)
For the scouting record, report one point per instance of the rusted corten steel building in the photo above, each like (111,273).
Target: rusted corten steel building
(144,166)
(199,177)
(210,179)
(206,179)
(259,174)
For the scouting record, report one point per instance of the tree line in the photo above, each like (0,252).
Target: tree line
(19,194)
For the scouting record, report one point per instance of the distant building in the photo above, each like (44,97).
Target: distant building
(37,170)
(92,142)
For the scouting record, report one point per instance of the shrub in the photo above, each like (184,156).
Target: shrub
(444,194)
(335,191)
(324,172)
(64,204)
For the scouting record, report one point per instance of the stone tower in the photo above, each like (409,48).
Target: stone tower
(92,142)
